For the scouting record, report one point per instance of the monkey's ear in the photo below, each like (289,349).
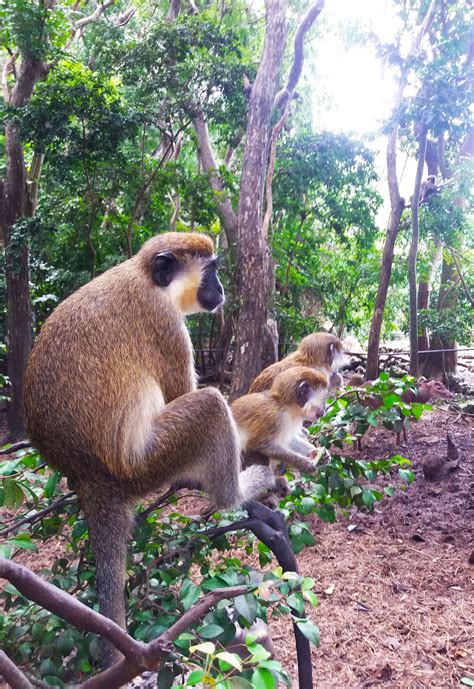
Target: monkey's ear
(302,393)
(165,265)
(332,352)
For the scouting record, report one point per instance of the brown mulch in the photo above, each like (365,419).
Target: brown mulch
(396,604)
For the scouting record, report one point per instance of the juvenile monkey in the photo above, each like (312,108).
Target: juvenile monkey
(320,351)
(110,399)
(271,422)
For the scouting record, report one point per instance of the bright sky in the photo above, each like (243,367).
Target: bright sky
(360,92)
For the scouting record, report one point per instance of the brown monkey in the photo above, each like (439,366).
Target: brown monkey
(320,351)
(428,188)
(271,422)
(110,399)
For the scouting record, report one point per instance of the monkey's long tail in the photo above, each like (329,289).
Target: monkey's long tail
(109,516)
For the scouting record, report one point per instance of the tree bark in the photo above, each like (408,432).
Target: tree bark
(424,291)
(415,203)
(253,280)
(17,203)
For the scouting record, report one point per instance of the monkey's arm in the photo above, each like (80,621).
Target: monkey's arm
(293,459)
(301,445)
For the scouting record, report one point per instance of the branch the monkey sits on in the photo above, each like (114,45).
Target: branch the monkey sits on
(110,399)
(271,422)
(322,352)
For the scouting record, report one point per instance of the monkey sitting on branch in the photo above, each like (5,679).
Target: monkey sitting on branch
(322,352)
(271,422)
(110,399)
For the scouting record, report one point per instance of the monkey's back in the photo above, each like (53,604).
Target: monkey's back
(265,379)
(96,375)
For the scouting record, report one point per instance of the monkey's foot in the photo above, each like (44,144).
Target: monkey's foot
(282,487)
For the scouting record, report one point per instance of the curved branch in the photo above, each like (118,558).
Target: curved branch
(96,14)
(68,608)
(306,23)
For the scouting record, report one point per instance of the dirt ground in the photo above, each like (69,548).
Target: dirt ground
(395,589)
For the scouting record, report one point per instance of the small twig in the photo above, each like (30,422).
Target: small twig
(38,516)
(15,447)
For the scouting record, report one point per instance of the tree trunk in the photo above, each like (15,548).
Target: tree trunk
(424,291)
(415,203)
(253,263)
(372,370)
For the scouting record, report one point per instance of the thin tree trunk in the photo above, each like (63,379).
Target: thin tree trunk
(16,204)
(372,369)
(415,203)
(424,291)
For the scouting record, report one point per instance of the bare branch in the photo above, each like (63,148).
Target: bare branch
(271,168)
(225,211)
(12,674)
(306,23)
(15,447)
(124,17)
(7,68)
(283,99)
(67,607)
(96,14)
(38,516)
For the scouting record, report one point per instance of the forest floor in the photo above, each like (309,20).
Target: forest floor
(396,589)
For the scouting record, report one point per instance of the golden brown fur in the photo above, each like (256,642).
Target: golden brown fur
(314,350)
(110,398)
(271,422)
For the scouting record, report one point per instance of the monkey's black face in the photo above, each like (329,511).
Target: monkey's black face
(210,293)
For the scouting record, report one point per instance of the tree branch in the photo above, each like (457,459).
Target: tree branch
(7,68)
(128,668)
(96,14)
(461,277)
(15,447)
(286,93)
(12,674)
(68,608)
(283,99)
(225,211)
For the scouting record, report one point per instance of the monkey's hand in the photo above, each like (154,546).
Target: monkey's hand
(282,487)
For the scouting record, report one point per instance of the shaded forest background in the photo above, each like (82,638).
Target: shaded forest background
(134,119)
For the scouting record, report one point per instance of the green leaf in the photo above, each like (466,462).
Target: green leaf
(195,677)
(246,606)
(206,647)
(22,541)
(311,598)
(309,630)
(296,602)
(231,659)
(189,594)
(263,679)
(468,681)
(51,484)
(210,631)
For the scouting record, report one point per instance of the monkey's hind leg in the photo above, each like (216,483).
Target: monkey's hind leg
(194,439)
(109,516)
